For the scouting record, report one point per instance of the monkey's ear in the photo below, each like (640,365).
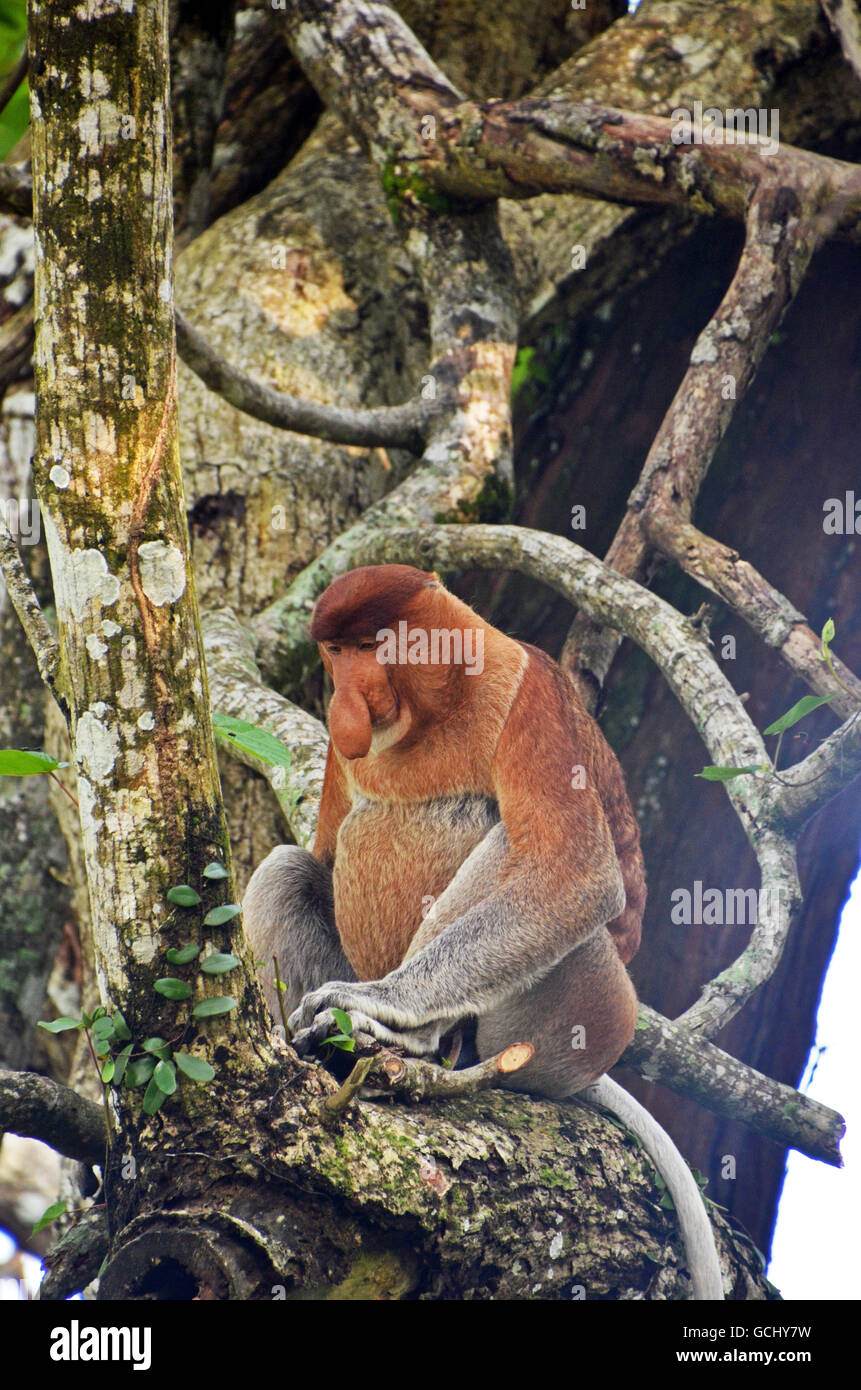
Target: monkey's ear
(433,581)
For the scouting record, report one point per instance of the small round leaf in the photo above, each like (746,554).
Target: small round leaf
(183,896)
(209,1008)
(172,988)
(219,915)
(181,955)
(154,1097)
(215,870)
(219,963)
(194,1067)
(164,1077)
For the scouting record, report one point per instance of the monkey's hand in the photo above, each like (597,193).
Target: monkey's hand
(370,1012)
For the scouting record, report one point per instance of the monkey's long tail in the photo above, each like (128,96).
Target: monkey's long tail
(697,1233)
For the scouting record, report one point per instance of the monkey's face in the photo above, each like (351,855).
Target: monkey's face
(365,707)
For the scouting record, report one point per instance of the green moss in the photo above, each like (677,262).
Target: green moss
(627,704)
(402,183)
(494,502)
(551,1178)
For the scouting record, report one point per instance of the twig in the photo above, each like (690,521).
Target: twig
(280,992)
(418,1079)
(806,786)
(65,790)
(337,1103)
(403,425)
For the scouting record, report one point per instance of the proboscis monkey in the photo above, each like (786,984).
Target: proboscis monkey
(464,772)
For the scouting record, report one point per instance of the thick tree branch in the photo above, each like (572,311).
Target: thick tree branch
(13,81)
(16,189)
(37,1108)
(845,21)
(236,689)
(766,611)
(777,250)
(17,336)
(705,694)
(828,770)
(367,65)
(405,426)
(666,1052)
(46,648)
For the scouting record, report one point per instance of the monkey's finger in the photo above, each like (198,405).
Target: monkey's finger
(313,1037)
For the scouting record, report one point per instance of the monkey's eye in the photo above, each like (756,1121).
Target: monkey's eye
(332,649)
(369,645)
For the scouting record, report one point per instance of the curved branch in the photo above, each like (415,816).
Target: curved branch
(845,22)
(44,644)
(765,609)
(236,688)
(404,426)
(369,67)
(16,189)
(666,1052)
(37,1108)
(823,774)
(778,246)
(693,675)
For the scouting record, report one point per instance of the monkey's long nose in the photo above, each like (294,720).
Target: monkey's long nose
(350,723)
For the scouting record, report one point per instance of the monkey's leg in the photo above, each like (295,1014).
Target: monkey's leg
(289,910)
(579,1018)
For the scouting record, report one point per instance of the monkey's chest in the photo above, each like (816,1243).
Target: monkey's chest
(392,861)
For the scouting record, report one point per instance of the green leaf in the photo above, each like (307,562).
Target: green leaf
(140,1071)
(250,739)
(61,1025)
(108,1070)
(172,988)
(526,369)
(804,706)
(194,1067)
(181,955)
(219,915)
(121,1062)
(726,774)
(154,1097)
(341,1040)
(48,1215)
(215,870)
(344,1022)
(101,1046)
(183,896)
(164,1077)
(828,633)
(103,1027)
(208,1008)
(121,1028)
(219,963)
(158,1047)
(14,762)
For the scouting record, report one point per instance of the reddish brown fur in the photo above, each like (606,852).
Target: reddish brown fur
(513,734)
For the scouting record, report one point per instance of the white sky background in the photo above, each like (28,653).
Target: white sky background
(815,1249)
